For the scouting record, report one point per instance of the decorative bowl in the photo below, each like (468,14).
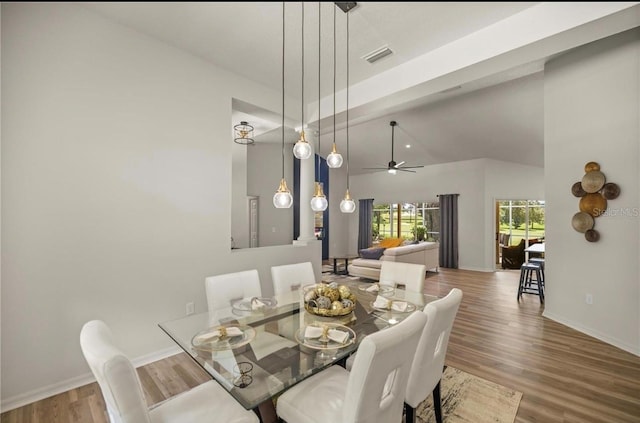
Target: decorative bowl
(329,300)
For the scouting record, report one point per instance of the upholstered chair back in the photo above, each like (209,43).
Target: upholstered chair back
(410,275)
(115,374)
(378,379)
(290,277)
(428,363)
(223,289)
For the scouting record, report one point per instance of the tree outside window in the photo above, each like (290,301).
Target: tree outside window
(418,221)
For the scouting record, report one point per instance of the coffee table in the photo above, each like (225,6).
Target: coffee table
(346,258)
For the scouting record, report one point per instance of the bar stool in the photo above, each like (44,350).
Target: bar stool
(529,285)
(540,261)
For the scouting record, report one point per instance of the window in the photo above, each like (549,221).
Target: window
(411,221)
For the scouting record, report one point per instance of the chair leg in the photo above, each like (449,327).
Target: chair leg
(437,403)
(521,282)
(409,414)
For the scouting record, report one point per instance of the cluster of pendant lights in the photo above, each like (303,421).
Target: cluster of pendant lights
(302,150)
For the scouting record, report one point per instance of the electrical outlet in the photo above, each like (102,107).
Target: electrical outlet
(588,299)
(190,309)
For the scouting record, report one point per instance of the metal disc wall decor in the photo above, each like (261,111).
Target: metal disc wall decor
(593,181)
(593,203)
(593,191)
(582,222)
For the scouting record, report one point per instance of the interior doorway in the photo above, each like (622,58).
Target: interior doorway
(518,223)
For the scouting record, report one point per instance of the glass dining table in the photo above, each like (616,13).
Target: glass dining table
(256,354)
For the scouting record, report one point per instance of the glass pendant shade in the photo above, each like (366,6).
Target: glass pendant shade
(302,149)
(283,198)
(334,159)
(319,201)
(347,205)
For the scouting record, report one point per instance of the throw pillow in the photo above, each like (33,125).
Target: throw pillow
(391,242)
(371,253)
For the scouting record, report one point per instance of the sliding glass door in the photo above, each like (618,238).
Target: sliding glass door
(518,223)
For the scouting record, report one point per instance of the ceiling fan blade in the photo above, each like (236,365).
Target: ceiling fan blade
(400,164)
(406,170)
(412,167)
(375,168)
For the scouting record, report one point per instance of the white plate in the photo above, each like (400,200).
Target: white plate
(328,344)
(410,307)
(245,304)
(207,340)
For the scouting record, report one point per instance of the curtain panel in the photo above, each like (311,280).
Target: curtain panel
(365,238)
(449,230)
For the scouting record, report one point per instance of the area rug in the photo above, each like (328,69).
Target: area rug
(470,399)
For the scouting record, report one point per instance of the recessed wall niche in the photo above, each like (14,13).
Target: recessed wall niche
(256,171)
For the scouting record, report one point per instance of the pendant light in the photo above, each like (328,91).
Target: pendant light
(347,205)
(319,201)
(302,149)
(283,198)
(243,133)
(334,159)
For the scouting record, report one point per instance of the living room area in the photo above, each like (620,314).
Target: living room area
(123,187)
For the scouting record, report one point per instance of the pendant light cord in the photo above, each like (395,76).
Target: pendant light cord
(334,75)
(283,46)
(319,93)
(302,117)
(347,101)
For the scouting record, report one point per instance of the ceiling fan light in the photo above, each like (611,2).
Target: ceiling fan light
(283,198)
(334,159)
(392,171)
(302,149)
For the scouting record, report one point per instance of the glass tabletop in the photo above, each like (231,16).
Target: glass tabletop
(284,344)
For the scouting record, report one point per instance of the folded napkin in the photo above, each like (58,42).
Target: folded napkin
(373,288)
(209,336)
(257,304)
(335,335)
(385,303)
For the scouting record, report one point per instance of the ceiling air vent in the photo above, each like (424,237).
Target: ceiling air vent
(378,54)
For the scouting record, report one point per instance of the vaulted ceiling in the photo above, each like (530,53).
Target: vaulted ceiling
(465,79)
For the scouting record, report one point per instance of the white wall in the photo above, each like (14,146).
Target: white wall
(116,191)
(339,229)
(479,182)
(239,209)
(592,113)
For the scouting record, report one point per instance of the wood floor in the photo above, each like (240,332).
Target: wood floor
(565,376)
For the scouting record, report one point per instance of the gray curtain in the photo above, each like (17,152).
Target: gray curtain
(365,220)
(449,230)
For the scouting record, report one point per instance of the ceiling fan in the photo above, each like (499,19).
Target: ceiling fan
(392,166)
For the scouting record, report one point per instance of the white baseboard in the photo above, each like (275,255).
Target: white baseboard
(633,349)
(75,382)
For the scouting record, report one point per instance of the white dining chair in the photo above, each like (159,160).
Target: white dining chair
(428,362)
(222,289)
(124,397)
(290,277)
(410,275)
(372,392)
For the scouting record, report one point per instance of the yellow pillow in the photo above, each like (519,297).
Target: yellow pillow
(390,242)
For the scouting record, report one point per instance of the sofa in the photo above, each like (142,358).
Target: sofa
(426,253)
